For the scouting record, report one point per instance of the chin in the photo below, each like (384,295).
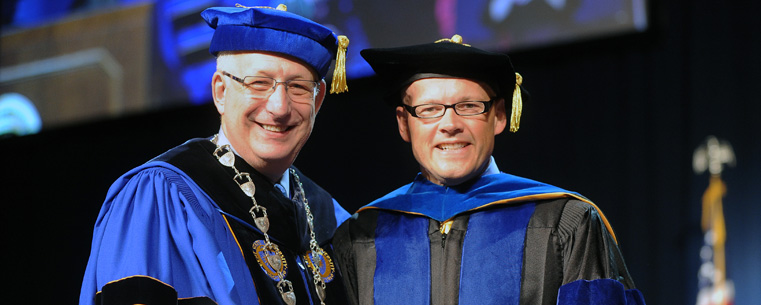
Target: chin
(276,156)
(459,173)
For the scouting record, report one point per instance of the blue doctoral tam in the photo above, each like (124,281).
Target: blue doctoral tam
(271,30)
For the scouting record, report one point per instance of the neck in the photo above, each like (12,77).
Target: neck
(454,181)
(273,173)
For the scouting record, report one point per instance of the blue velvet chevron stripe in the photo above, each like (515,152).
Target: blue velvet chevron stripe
(492,263)
(402,270)
(600,291)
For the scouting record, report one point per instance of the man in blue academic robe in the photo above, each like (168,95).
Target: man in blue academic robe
(463,232)
(228,219)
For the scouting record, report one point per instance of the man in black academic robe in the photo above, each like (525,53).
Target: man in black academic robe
(463,232)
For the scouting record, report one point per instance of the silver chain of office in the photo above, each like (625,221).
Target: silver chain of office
(274,257)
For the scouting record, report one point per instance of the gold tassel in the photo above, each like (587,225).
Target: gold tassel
(339,74)
(515,116)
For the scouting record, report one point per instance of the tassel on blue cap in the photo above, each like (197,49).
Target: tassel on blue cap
(339,73)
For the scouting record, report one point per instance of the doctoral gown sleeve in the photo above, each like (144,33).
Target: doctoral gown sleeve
(155,222)
(594,271)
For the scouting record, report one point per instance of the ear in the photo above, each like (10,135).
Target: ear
(500,116)
(320,96)
(218,91)
(401,121)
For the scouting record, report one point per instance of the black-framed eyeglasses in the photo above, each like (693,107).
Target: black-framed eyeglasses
(299,90)
(466,108)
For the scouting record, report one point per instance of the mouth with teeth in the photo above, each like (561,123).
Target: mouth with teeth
(274,128)
(451,146)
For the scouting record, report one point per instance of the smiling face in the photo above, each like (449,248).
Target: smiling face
(450,149)
(267,132)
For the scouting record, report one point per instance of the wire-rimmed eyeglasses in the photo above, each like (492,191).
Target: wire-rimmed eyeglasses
(299,90)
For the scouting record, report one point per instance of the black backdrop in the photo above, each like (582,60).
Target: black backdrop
(615,119)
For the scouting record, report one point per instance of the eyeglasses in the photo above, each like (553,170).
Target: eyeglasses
(467,108)
(299,90)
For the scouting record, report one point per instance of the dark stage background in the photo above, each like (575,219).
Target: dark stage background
(615,119)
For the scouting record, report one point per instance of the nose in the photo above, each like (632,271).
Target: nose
(278,103)
(450,122)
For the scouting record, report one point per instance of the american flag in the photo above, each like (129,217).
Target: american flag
(713,286)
